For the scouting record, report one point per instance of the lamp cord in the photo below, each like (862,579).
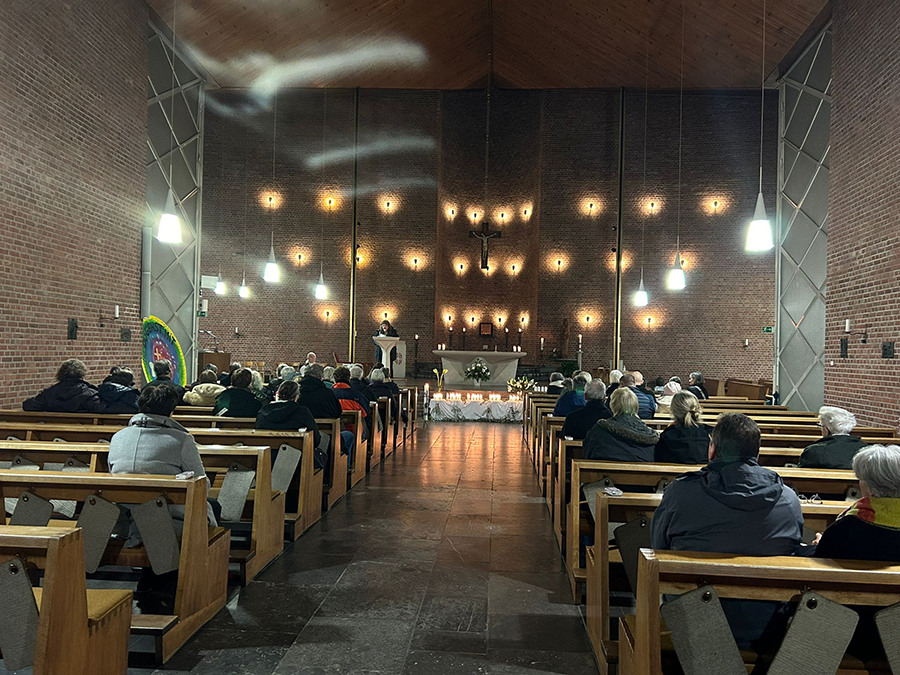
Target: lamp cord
(172,97)
(644,180)
(762,96)
(487,112)
(322,178)
(680,127)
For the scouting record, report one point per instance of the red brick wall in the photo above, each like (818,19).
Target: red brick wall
(863,236)
(73,86)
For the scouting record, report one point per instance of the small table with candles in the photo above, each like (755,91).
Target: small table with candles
(474,407)
(503,366)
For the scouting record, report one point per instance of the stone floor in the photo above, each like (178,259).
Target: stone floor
(443,561)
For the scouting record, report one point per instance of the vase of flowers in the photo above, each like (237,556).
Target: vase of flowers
(519,385)
(440,378)
(478,371)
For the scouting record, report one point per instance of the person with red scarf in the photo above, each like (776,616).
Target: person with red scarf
(350,398)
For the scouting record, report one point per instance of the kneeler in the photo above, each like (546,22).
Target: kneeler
(19,619)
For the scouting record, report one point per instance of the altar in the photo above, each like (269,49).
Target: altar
(503,366)
(474,407)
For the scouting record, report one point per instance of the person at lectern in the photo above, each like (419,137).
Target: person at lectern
(386,330)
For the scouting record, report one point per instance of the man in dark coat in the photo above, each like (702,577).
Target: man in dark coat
(238,400)
(733,505)
(225,378)
(556,385)
(838,448)
(622,437)
(359,383)
(646,399)
(571,399)
(70,393)
(118,393)
(350,399)
(163,371)
(321,401)
(286,414)
(579,422)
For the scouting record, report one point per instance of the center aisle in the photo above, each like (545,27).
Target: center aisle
(443,561)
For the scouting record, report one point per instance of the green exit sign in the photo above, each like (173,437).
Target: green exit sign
(768,329)
(201,313)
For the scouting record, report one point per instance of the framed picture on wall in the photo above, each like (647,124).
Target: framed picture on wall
(486,329)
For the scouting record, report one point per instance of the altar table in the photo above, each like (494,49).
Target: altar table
(503,366)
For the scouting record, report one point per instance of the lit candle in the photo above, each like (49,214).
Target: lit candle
(579,341)
(542,343)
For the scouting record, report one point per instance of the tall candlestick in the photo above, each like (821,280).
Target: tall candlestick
(506,344)
(451,337)
(464,337)
(579,341)
(520,337)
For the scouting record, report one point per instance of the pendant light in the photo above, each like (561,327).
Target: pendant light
(220,284)
(641,298)
(169,230)
(759,234)
(676,280)
(244,290)
(321,291)
(272,272)
(321,288)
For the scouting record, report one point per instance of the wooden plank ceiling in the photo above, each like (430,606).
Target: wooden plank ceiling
(444,44)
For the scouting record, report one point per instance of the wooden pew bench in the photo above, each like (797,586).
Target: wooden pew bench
(603,559)
(646,648)
(78,631)
(203,550)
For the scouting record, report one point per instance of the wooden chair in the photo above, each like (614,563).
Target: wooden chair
(78,631)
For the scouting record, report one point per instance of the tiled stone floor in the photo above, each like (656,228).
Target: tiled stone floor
(443,561)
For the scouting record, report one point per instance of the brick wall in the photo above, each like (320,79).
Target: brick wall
(863,237)
(72,147)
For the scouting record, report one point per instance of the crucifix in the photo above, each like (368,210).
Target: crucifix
(485,234)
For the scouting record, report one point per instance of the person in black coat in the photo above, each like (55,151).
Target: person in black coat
(838,448)
(163,371)
(118,393)
(556,385)
(286,413)
(386,330)
(623,437)
(686,440)
(70,393)
(359,383)
(696,386)
(238,400)
(322,402)
(225,378)
(582,420)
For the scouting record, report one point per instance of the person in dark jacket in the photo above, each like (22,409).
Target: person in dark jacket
(582,420)
(572,399)
(350,399)
(225,378)
(386,330)
(646,401)
(732,505)
(70,393)
(321,401)
(118,393)
(238,400)
(623,437)
(162,368)
(696,386)
(686,440)
(556,384)
(377,386)
(614,377)
(286,413)
(275,382)
(359,383)
(838,448)
(869,530)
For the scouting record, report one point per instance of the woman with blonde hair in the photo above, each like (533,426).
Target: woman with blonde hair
(686,440)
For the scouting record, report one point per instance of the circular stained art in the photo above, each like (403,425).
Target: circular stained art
(159,342)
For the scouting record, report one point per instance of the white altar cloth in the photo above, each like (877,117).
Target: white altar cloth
(475,411)
(503,365)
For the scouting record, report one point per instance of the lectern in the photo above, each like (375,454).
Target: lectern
(386,343)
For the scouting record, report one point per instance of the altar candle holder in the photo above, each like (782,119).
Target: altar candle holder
(520,337)
(506,345)
(451,337)
(464,338)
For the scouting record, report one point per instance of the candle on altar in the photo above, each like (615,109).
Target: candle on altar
(579,341)
(542,343)
(520,337)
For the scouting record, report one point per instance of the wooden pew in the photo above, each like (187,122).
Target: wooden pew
(385,409)
(303,505)
(203,566)
(601,557)
(647,477)
(336,488)
(541,411)
(360,447)
(551,427)
(566,452)
(809,429)
(548,468)
(79,631)
(874,584)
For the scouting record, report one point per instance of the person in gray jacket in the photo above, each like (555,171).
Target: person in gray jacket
(732,505)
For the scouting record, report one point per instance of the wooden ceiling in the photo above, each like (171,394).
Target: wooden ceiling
(444,44)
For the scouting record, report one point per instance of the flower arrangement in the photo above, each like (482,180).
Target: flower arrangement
(519,385)
(478,371)
(440,378)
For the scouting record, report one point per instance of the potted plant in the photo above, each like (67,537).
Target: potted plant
(478,371)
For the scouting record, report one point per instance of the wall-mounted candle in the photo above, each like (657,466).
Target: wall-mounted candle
(579,341)
(847,326)
(116,312)
(542,343)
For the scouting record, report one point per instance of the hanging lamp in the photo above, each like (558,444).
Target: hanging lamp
(676,280)
(272,272)
(244,290)
(169,230)
(641,297)
(321,292)
(759,234)
(220,284)
(321,288)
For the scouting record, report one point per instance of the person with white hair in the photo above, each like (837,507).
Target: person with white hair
(556,383)
(328,374)
(580,421)
(359,383)
(664,402)
(838,447)
(614,378)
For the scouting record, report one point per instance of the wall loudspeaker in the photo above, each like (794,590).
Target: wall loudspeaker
(887,350)
(72,329)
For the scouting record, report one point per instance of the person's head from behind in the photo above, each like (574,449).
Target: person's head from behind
(836,421)
(675,378)
(162,368)
(256,382)
(387,374)
(242,379)
(311,357)
(377,375)
(660,382)
(615,376)
(734,437)
(568,384)
(624,402)
(328,373)
(686,409)
(315,370)
(378,365)
(556,377)
(579,382)
(233,367)
(289,373)
(627,380)
(638,378)
(696,378)
(587,376)
(878,470)
(159,400)
(342,375)
(671,388)
(356,373)
(123,376)
(288,391)
(208,377)
(281,367)
(595,390)
(212,367)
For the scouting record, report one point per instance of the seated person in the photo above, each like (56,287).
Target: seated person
(310,359)
(646,402)
(322,402)
(285,414)
(238,400)
(623,437)
(732,505)
(118,393)
(162,368)
(258,387)
(664,403)
(614,377)
(328,376)
(686,440)
(696,386)
(359,383)
(70,394)
(205,393)
(275,382)
(225,378)
(659,385)
(208,366)
(350,399)
(556,383)
(581,420)
(838,448)
(869,530)
(571,399)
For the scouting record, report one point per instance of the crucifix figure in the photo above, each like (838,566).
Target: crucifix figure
(485,234)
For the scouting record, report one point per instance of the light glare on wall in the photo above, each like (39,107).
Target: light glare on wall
(329,201)
(270,199)
(590,206)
